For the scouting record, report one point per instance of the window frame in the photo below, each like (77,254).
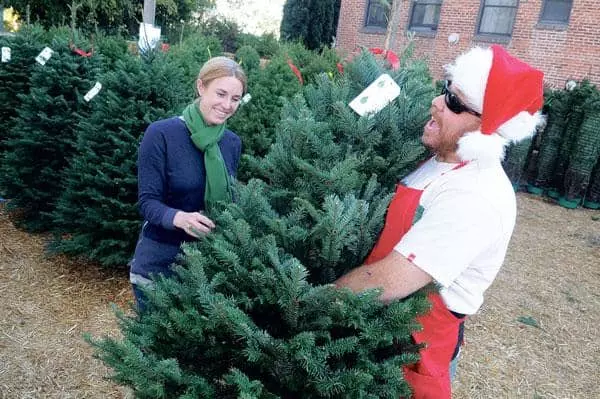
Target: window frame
(423,27)
(543,21)
(367,14)
(501,37)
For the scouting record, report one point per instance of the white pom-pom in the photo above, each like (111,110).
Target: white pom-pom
(485,148)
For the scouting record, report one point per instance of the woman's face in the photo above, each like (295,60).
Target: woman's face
(219,99)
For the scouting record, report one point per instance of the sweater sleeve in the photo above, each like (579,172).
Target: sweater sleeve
(237,155)
(152,179)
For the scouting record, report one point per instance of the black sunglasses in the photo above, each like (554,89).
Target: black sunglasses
(453,102)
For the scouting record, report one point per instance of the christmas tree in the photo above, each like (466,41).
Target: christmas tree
(41,141)
(584,156)
(551,141)
(96,216)
(577,99)
(252,312)
(256,122)
(14,74)
(515,161)
(592,198)
(194,51)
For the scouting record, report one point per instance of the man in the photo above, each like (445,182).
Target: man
(451,220)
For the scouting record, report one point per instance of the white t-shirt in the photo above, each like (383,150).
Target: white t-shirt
(462,236)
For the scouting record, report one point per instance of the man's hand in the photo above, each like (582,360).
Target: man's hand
(193,223)
(395,274)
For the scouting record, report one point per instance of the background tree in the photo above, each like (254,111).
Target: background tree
(41,141)
(312,22)
(96,216)
(14,75)
(256,122)
(584,155)
(111,16)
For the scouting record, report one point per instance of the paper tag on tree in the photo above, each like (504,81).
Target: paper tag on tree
(44,56)
(149,37)
(93,91)
(246,99)
(376,96)
(5,54)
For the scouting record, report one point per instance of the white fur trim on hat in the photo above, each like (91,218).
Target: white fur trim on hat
(469,73)
(521,126)
(485,148)
(491,147)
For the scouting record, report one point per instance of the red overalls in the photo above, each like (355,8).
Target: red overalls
(430,377)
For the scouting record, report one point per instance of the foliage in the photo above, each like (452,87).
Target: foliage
(112,48)
(294,23)
(170,13)
(314,23)
(551,140)
(251,312)
(266,45)
(256,121)
(14,75)
(311,63)
(96,215)
(110,16)
(515,160)
(585,153)
(224,30)
(41,141)
(194,51)
(592,198)
(248,58)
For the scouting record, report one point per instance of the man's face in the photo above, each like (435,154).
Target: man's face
(442,132)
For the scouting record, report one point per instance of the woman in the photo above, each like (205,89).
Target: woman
(185,164)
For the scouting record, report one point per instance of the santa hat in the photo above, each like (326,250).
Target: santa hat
(507,92)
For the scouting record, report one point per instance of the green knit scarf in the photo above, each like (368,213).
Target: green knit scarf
(206,139)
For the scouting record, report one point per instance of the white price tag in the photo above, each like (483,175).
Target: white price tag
(44,56)
(376,96)
(5,54)
(149,37)
(246,99)
(93,91)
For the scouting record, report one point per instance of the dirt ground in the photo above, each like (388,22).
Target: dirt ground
(535,337)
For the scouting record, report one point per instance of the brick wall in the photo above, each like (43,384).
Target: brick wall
(562,53)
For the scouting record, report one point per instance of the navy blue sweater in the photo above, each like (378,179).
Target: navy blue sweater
(171,177)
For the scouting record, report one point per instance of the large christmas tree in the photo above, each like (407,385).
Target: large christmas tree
(252,312)
(14,74)
(42,137)
(96,215)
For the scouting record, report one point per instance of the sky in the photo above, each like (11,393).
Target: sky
(254,16)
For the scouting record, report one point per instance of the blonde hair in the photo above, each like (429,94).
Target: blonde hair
(220,67)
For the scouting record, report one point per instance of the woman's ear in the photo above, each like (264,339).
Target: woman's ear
(200,87)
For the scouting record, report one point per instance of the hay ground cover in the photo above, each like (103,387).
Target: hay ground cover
(536,336)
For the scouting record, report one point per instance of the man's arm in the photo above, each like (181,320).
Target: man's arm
(394,274)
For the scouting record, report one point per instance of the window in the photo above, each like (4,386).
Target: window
(425,15)
(377,14)
(497,17)
(556,11)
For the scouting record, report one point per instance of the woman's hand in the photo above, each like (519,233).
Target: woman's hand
(193,223)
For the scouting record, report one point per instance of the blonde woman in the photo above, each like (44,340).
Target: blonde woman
(186,164)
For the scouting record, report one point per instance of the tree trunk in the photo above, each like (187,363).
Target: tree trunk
(149,11)
(393,22)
